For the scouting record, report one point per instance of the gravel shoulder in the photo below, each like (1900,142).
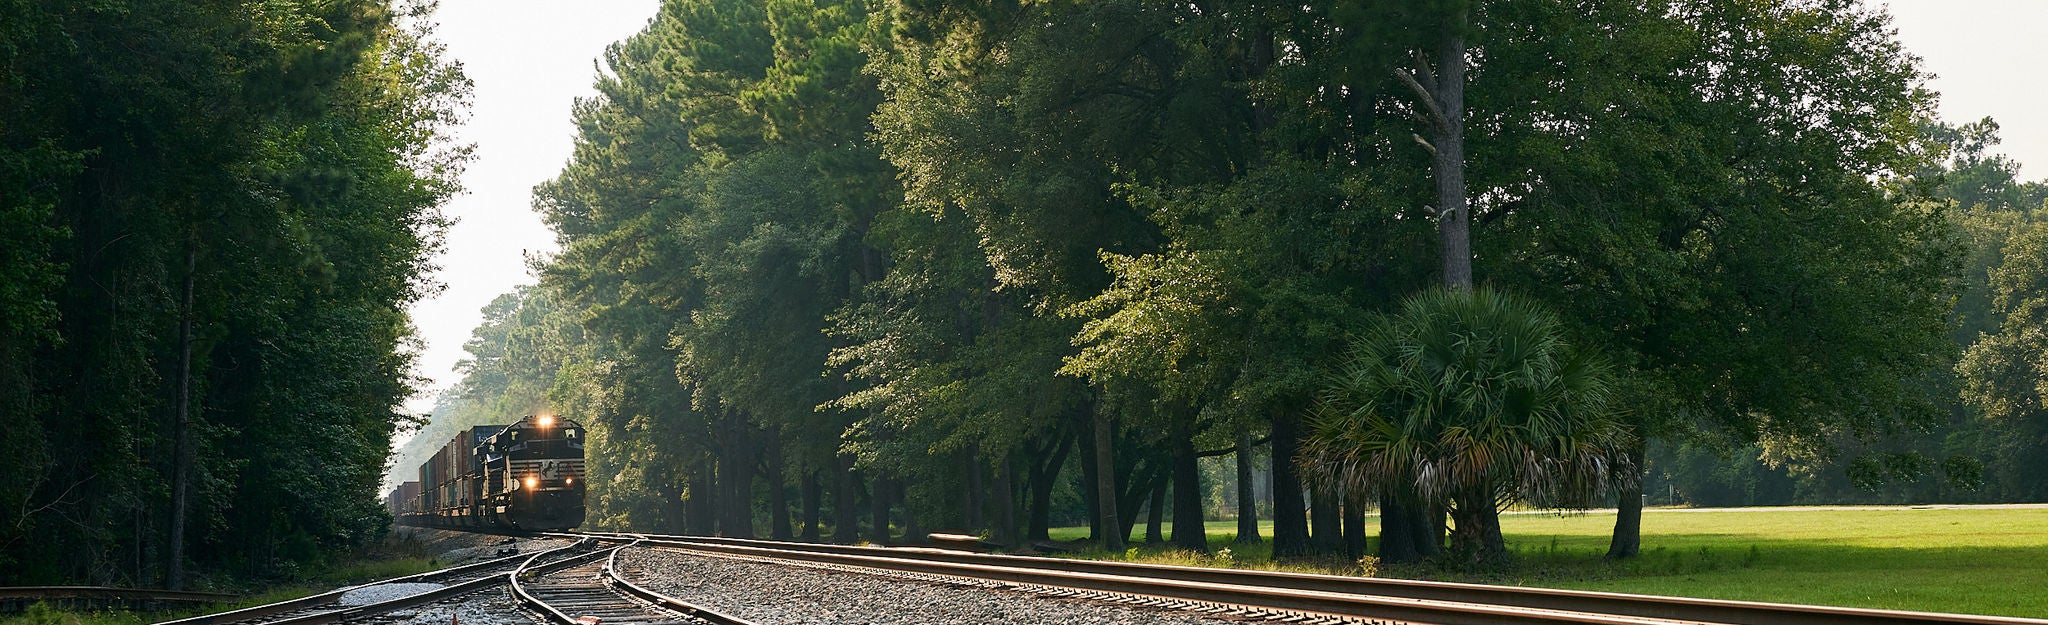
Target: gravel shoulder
(380,593)
(769,593)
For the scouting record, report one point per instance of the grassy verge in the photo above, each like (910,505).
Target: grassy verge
(383,561)
(1980,561)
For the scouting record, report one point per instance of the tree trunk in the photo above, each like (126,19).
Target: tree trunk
(912,532)
(1428,520)
(846,504)
(778,493)
(879,501)
(736,475)
(1628,524)
(181,437)
(1155,514)
(675,514)
(1042,478)
(1398,532)
(703,503)
(1477,538)
(1188,530)
(1354,528)
(812,499)
(1006,503)
(971,503)
(1290,522)
(1247,495)
(1140,480)
(1628,510)
(1089,490)
(1105,484)
(1453,208)
(1326,529)
(140,525)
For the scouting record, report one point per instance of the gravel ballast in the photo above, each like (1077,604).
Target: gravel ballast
(488,607)
(788,595)
(380,593)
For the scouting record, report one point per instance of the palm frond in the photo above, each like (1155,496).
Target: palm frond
(1468,393)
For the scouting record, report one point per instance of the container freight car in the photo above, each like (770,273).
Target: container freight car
(404,500)
(523,476)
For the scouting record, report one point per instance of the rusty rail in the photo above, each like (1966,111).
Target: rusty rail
(18,598)
(1433,602)
(278,613)
(613,578)
(610,579)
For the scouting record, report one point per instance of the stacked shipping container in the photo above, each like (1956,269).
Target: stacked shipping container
(447,480)
(404,500)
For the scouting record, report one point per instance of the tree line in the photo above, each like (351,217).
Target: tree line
(867,269)
(212,218)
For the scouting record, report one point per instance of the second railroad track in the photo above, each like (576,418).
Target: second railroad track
(586,590)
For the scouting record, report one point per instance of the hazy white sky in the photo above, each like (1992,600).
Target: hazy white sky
(531,59)
(1989,58)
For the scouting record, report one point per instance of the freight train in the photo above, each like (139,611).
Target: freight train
(527,476)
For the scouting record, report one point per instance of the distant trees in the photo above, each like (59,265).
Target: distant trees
(2005,373)
(213,217)
(1966,454)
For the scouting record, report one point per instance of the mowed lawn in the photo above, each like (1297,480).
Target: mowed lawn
(1972,560)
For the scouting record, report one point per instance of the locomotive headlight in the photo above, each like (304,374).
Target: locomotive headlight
(568,481)
(531,483)
(546,420)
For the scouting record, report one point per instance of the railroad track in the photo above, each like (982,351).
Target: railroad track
(325,608)
(18,598)
(586,590)
(1294,596)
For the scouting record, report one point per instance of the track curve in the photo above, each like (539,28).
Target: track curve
(587,590)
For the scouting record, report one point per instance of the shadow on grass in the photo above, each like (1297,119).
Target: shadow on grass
(1928,575)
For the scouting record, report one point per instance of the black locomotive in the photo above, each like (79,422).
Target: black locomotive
(526,476)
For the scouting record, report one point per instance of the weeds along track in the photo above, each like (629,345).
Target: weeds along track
(1293,597)
(587,589)
(326,608)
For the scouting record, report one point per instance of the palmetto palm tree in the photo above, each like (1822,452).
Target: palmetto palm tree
(1470,400)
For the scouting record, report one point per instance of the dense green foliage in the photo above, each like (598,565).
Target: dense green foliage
(1989,446)
(212,216)
(871,267)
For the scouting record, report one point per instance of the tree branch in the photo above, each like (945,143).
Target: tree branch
(1230,450)
(1427,75)
(1425,143)
(1428,98)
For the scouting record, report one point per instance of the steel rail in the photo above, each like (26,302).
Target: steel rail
(268,610)
(527,598)
(612,577)
(1439,597)
(10,593)
(1312,602)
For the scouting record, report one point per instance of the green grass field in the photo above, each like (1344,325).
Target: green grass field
(1981,561)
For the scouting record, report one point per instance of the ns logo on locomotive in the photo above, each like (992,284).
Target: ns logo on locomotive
(526,476)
